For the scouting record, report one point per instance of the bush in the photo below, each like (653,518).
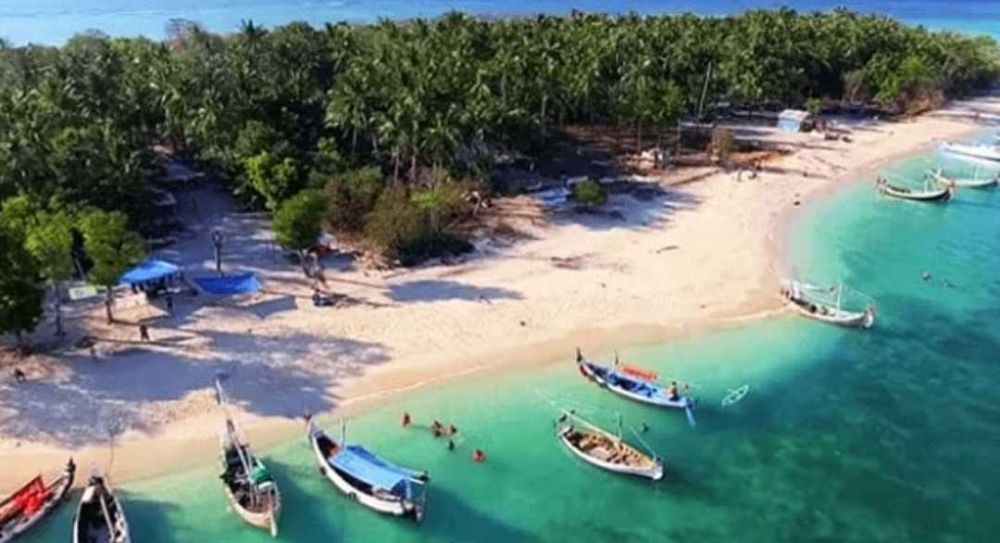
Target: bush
(353,195)
(298,222)
(414,225)
(589,193)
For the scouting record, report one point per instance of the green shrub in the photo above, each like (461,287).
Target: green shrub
(589,193)
(353,195)
(414,225)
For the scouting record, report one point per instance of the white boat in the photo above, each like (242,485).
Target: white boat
(604,449)
(930,193)
(988,152)
(964,182)
(824,304)
(250,489)
(31,503)
(641,389)
(100,517)
(367,478)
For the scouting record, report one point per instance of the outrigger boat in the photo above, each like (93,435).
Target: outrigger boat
(634,385)
(928,194)
(988,152)
(965,183)
(31,503)
(367,478)
(249,487)
(814,302)
(100,517)
(604,449)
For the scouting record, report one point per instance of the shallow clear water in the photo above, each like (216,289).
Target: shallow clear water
(886,435)
(53,21)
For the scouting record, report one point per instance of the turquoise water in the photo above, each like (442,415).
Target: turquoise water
(887,435)
(53,21)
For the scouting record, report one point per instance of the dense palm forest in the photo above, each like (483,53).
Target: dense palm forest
(389,121)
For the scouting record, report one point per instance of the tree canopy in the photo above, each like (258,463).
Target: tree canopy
(111,246)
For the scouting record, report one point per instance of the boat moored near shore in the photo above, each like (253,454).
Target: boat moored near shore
(367,478)
(927,194)
(31,503)
(636,385)
(965,182)
(825,304)
(100,517)
(605,450)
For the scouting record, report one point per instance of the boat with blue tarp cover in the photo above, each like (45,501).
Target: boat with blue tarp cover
(634,388)
(368,478)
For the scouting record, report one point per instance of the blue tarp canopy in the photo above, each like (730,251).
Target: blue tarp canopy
(376,471)
(230,285)
(150,271)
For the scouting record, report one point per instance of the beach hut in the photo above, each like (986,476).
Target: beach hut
(795,120)
(151,273)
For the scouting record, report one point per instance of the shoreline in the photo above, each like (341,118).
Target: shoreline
(191,441)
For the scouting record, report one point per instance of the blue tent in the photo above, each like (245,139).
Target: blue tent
(241,283)
(150,272)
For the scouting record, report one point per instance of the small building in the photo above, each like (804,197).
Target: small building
(796,120)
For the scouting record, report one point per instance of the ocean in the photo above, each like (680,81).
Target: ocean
(53,21)
(885,435)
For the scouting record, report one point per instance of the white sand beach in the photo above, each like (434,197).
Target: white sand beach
(698,249)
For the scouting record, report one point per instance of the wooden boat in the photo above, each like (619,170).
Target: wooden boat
(250,489)
(988,152)
(816,303)
(31,503)
(605,450)
(964,183)
(100,517)
(928,194)
(634,388)
(367,478)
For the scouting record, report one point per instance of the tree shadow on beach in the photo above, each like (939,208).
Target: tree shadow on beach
(92,399)
(440,290)
(632,206)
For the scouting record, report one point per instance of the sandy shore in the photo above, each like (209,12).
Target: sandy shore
(654,265)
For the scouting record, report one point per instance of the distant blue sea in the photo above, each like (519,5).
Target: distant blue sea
(53,21)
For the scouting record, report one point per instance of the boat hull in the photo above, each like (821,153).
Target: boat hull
(60,489)
(654,472)
(597,373)
(264,520)
(942,195)
(984,152)
(388,507)
(843,318)
(119,522)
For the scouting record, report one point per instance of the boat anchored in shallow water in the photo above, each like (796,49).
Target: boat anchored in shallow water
(31,503)
(635,385)
(930,193)
(367,478)
(964,182)
(825,304)
(605,450)
(986,152)
(250,489)
(100,517)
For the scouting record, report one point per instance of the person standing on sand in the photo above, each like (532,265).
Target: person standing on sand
(143,333)
(19,375)
(406,419)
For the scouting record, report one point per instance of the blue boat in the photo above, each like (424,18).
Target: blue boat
(368,478)
(633,388)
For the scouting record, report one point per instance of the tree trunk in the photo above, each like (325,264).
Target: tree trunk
(545,103)
(413,167)
(354,142)
(108,301)
(395,168)
(304,262)
(60,332)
